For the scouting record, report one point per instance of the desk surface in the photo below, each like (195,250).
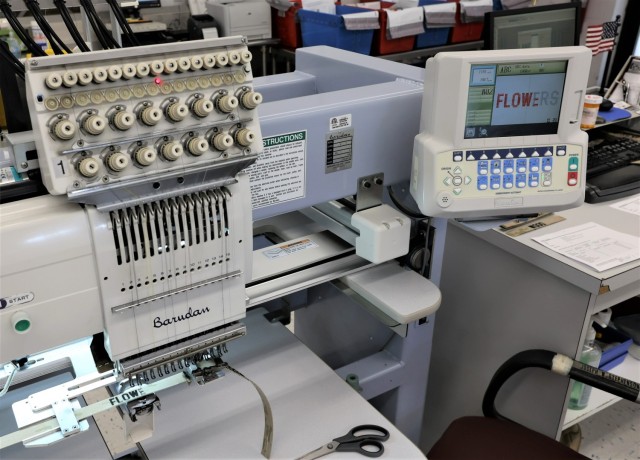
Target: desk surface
(224,419)
(579,274)
(311,405)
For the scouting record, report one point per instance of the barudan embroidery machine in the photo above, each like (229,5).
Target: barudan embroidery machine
(173,209)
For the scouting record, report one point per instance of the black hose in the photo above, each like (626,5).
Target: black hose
(522,360)
(52,37)
(22,34)
(106,34)
(13,61)
(605,381)
(49,30)
(402,207)
(562,365)
(94,26)
(124,25)
(68,21)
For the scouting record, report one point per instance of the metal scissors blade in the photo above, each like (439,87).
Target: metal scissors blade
(369,443)
(320,451)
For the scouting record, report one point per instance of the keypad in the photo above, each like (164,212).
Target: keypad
(514,169)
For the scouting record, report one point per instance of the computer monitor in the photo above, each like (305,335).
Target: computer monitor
(534,27)
(500,132)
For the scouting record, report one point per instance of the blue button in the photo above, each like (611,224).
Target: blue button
(483,167)
(521,180)
(534,164)
(521,165)
(547,164)
(496,167)
(507,166)
(483,182)
(495,182)
(534,179)
(507,181)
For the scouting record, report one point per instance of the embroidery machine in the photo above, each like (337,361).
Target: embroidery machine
(153,163)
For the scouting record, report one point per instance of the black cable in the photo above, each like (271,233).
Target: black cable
(402,207)
(522,360)
(51,34)
(94,26)
(22,34)
(68,21)
(13,61)
(605,381)
(90,10)
(34,9)
(124,25)
(562,365)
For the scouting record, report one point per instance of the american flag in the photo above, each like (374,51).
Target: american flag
(601,38)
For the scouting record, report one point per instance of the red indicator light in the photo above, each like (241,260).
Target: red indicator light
(157,81)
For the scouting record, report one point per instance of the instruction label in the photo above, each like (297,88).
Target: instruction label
(339,150)
(279,173)
(290,248)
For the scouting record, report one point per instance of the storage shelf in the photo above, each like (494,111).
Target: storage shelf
(599,400)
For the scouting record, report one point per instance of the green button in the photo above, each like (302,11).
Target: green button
(22,325)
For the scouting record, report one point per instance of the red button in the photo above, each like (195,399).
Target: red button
(572,178)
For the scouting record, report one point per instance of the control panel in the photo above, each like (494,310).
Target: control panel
(500,133)
(508,175)
(135,114)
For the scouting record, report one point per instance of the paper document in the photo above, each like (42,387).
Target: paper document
(440,15)
(321,6)
(632,206)
(599,247)
(473,11)
(405,23)
(361,21)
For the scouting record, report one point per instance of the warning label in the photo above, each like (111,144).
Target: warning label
(279,173)
(289,248)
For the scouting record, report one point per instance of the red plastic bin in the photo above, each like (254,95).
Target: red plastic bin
(286,27)
(465,32)
(383,45)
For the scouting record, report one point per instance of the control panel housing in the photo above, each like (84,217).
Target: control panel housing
(500,133)
(131,115)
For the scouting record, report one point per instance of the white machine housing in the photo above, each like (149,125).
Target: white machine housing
(456,175)
(251,18)
(87,113)
(49,278)
(153,145)
(173,268)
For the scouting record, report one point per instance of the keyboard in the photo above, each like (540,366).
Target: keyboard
(613,169)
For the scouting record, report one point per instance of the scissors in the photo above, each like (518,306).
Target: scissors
(369,443)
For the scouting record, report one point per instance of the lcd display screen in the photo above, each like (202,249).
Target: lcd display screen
(514,99)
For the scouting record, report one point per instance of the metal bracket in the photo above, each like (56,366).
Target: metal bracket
(208,374)
(370,191)
(143,406)
(65,416)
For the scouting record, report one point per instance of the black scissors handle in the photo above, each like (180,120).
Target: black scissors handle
(369,443)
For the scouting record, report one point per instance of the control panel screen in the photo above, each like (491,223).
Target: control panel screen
(514,99)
